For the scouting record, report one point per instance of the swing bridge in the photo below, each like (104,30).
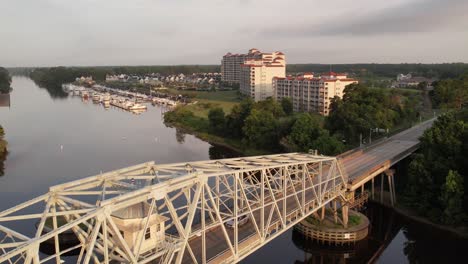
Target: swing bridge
(215,211)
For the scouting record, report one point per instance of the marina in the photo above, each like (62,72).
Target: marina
(126,100)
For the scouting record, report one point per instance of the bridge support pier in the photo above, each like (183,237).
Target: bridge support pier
(382,179)
(391,185)
(344,212)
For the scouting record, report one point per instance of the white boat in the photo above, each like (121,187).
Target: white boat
(96,97)
(138,107)
(106,97)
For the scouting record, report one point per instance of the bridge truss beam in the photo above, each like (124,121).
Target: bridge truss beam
(199,200)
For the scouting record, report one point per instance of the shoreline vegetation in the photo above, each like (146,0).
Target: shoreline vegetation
(5,81)
(3,150)
(5,88)
(434,193)
(266,127)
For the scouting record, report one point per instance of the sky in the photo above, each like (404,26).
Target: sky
(169,32)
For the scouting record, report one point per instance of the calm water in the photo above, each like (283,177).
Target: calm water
(37,124)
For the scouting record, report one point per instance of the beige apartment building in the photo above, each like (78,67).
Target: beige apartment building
(256,74)
(231,63)
(311,93)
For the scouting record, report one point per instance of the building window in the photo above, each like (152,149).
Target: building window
(148,234)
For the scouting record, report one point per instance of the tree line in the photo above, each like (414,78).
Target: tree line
(437,185)
(451,93)
(3,150)
(5,81)
(441,71)
(273,127)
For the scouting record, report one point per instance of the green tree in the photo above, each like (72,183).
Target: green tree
(3,143)
(451,93)
(5,81)
(260,129)
(437,181)
(419,190)
(452,198)
(270,105)
(287,105)
(3,150)
(236,119)
(217,120)
(306,134)
(363,108)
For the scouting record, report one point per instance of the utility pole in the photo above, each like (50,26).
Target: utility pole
(360,140)
(370,136)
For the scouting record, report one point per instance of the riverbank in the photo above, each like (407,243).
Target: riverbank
(231,144)
(402,210)
(3,142)
(461,232)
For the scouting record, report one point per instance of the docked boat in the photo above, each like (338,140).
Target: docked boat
(84,94)
(106,97)
(96,97)
(137,106)
(121,103)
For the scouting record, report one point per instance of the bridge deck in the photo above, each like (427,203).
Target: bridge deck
(363,165)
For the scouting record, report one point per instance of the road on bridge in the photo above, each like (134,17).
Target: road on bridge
(364,164)
(360,165)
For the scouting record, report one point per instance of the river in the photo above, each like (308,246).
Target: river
(54,139)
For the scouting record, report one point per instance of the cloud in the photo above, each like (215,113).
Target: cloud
(135,32)
(413,17)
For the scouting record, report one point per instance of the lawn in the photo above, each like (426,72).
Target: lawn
(227,96)
(202,102)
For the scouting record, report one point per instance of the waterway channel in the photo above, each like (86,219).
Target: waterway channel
(55,138)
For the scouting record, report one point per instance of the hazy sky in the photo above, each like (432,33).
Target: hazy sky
(156,32)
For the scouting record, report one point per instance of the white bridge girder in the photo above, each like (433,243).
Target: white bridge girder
(197,198)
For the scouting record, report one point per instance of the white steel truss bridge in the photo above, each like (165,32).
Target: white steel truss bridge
(216,211)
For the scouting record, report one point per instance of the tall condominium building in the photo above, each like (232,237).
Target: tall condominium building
(256,74)
(311,93)
(231,63)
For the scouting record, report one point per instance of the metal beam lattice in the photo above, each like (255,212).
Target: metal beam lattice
(203,204)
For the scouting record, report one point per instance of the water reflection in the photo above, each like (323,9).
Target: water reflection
(55,92)
(382,231)
(392,239)
(5,100)
(180,135)
(3,158)
(220,152)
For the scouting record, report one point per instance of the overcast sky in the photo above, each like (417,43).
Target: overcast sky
(159,32)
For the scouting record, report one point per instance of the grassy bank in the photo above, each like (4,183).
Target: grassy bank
(193,118)
(198,127)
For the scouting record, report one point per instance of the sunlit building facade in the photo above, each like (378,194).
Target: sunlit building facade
(311,93)
(231,63)
(256,74)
